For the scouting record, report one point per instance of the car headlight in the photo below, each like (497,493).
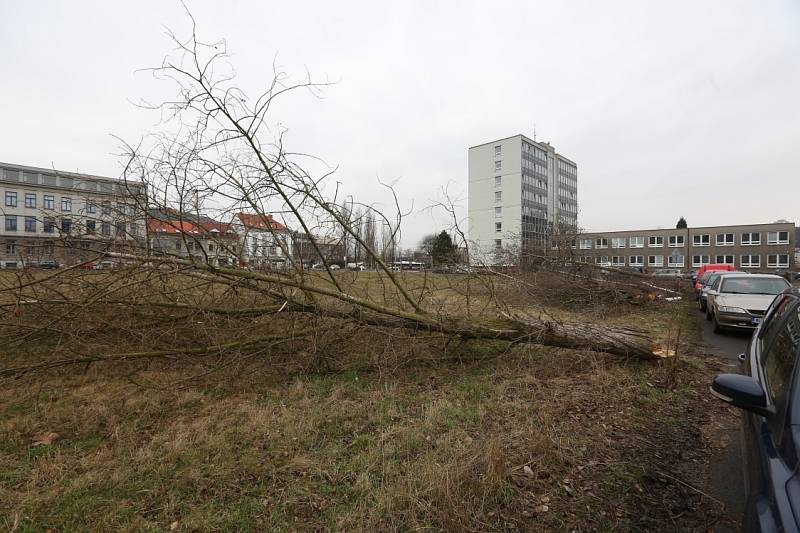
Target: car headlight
(725,309)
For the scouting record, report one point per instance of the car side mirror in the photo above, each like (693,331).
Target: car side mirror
(743,392)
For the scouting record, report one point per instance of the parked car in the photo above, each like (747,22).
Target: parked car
(739,301)
(717,267)
(768,391)
(668,273)
(705,285)
(49,265)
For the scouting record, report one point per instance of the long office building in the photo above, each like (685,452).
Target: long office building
(64,217)
(520,192)
(754,248)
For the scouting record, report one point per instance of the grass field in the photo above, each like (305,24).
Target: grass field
(490,438)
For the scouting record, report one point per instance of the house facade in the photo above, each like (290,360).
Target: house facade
(753,247)
(265,242)
(66,217)
(203,241)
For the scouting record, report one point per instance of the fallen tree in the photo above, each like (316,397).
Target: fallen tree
(223,152)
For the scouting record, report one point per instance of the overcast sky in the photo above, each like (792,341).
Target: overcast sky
(669,108)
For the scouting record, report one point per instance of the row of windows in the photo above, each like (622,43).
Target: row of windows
(49,224)
(678,241)
(35,178)
(49,202)
(678,260)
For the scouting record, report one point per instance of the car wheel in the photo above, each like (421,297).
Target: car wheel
(717,327)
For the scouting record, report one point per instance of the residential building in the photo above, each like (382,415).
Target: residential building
(754,247)
(67,217)
(265,242)
(520,192)
(205,241)
(331,248)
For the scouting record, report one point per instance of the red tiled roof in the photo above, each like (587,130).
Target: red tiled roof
(260,222)
(174,227)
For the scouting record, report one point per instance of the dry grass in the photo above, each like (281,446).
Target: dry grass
(365,432)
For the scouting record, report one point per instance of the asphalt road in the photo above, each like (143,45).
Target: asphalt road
(727,481)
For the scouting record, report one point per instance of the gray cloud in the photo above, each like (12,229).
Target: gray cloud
(669,109)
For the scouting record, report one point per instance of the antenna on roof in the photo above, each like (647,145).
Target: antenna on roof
(534,132)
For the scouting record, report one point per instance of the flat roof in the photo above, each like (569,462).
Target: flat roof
(691,228)
(58,172)
(531,141)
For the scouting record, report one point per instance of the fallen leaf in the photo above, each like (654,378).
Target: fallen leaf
(527,470)
(173,526)
(45,439)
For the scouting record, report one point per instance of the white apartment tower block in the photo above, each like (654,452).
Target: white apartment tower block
(520,192)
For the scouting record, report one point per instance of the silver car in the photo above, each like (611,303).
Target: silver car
(703,297)
(738,301)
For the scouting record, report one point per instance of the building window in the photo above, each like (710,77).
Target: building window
(66,226)
(48,224)
(498,196)
(751,261)
(134,229)
(66,204)
(773,237)
(751,239)
(636,242)
(11,199)
(778,261)
(498,227)
(498,165)
(618,260)
(498,150)
(700,260)
(30,224)
(11,223)
(30,199)
(49,201)
(676,241)
(655,242)
(676,260)
(725,259)
(498,212)
(11,248)
(498,243)
(637,260)
(106,207)
(602,260)
(601,243)
(119,229)
(725,239)
(91,227)
(701,240)
(498,181)
(91,208)
(586,244)
(105,228)
(656,260)
(618,242)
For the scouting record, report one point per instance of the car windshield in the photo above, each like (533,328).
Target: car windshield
(753,285)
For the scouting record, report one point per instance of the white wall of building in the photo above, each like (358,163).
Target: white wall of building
(481,197)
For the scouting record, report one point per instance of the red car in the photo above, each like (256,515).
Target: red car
(719,267)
